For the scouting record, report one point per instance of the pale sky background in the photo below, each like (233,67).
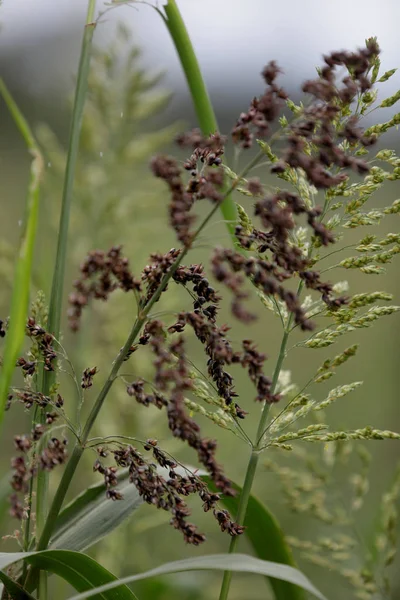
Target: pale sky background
(40,39)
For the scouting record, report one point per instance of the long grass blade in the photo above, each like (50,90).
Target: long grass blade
(23,268)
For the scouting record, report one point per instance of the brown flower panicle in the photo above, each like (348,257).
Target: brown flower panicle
(173,380)
(29,398)
(25,465)
(101,274)
(262,112)
(87,377)
(204,182)
(54,454)
(226,265)
(322,126)
(314,144)
(28,366)
(165,492)
(17,509)
(154,272)
(44,343)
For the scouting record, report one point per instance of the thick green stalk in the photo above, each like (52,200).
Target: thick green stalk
(253,463)
(198,90)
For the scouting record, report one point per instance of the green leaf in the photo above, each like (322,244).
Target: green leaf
(80,571)
(267,539)
(22,276)
(216,562)
(91,515)
(14,589)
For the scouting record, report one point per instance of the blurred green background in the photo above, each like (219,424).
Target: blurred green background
(130,116)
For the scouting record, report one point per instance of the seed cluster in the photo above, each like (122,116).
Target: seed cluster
(319,126)
(101,274)
(25,465)
(214,338)
(154,272)
(87,377)
(166,493)
(227,265)
(44,342)
(204,182)
(30,397)
(262,112)
(172,380)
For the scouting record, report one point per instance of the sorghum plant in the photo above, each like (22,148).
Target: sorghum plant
(324,174)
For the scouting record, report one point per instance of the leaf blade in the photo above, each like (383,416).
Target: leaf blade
(267,539)
(91,516)
(220,562)
(79,570)
(14,589)
(23,268)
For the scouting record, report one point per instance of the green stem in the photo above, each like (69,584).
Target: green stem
(55,305)
(198,90)
(252,465)
(258,447)
(57,289)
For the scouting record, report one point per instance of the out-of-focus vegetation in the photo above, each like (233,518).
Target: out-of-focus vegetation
(117,201)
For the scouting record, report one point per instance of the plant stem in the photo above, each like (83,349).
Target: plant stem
(258,446)
(55,304)
(198,90)
(253,463)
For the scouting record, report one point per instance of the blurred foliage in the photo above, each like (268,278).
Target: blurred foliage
(309,485)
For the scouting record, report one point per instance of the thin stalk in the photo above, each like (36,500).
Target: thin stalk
(198,90)
(27,530)
(258,446)
(55,306)
(56,296)
(252,465)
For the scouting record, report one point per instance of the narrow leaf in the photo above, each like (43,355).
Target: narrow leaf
(91,516)
(80,571)
(15,591)
(22,276)
(216,562)
(267,539)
